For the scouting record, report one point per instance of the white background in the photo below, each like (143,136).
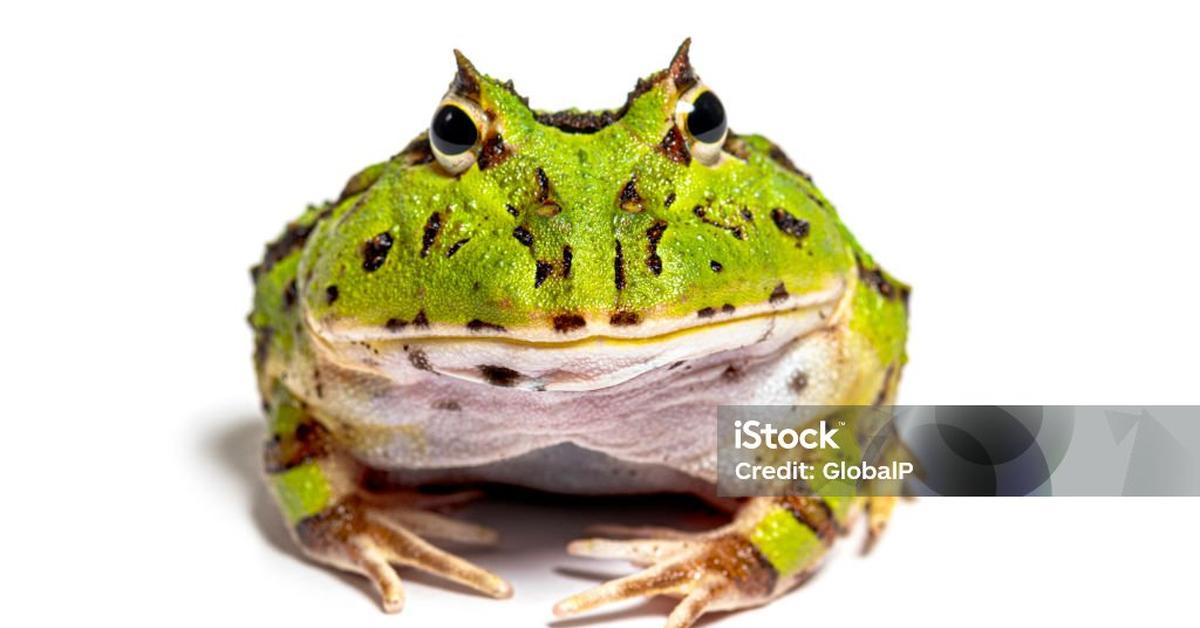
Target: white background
(1030,168)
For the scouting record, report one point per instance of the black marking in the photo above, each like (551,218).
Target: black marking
(456,246)
(778,156)
(790,224)
(375,251)
(478,325)
(545,196)
(798,382)
(419,360)
(747,214)
(875,278)
(675,365)
(706,312)
(779,293)
(669,201)
(523,236)
(731,373)
(727,309)
(624,319)
(331,294)
(715,266)
(289,294)
(568,255)
(701,212)
(432,227)
(628,198)
(448,405)
(543,271)
(395,324)
(290,241)
(420,320)
(573,121)
(493,152)
(262,345)
(654,234)
(512,210)
(619,268)
(564,323)
(499,375)
(674,146)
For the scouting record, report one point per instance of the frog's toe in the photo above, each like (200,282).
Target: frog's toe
(359,537)
(709,572)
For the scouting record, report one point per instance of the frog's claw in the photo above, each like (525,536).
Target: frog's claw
(359,537)
(708,571)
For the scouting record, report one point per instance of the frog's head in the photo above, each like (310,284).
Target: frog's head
(505,221)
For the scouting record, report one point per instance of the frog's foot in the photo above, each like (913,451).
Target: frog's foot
(363,537)
(771,545)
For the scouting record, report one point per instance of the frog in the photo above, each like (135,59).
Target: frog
(561,301)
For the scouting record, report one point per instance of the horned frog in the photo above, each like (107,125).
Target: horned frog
(561,301)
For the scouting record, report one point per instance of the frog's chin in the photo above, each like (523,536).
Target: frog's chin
(590,362)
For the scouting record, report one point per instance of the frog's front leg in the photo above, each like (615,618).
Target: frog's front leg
(772,544)
(338,523)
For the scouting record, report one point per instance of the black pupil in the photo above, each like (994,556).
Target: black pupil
(706,122)
(452,131)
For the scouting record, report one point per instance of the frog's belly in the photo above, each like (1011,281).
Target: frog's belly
(655,431)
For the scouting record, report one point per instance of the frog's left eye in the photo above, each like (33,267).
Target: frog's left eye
(701,113)
(453,134)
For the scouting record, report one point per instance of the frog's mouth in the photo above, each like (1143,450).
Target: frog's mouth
(594,359)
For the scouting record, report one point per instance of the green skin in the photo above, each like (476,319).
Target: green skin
(739,213)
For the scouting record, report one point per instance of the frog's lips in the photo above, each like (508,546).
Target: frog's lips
(591,360)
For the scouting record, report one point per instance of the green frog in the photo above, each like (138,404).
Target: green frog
(561,300)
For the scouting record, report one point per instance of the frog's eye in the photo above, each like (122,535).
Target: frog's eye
(701,113)
(453,133)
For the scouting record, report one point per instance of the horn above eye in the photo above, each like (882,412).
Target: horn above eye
(453,133)
(702,115)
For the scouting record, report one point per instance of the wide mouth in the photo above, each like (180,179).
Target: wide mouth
(591,359)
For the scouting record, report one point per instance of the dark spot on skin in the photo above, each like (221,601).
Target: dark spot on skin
(448,405)
(882,395)
(572,121)
(798,382)
(456,246)
(669,201)
(674,147)
(466,79)
(779,293)
(375,251)
(628,198)
(680,70)
(420,320)
(419,360)
(624,319)
(654,234)
(747,214)
(778,156)
(543,270)
(289,294)
(568,255)
(707,312)
(432,227)
(512,210)
(292,240)
(619,268)
(549,207)
(395,324)
(702,214)
(875,278)
(331,294)
(731,373)
(564,323)
(727,309)
(493,152)
(478,325)
(715,266)
(523,236)
(789,224)
(262,344)
(499,375)
(675,365)
(316,374)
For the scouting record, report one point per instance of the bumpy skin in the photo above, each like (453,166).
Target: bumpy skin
(573,234)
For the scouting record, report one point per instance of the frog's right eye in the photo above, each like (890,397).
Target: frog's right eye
(453,133)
